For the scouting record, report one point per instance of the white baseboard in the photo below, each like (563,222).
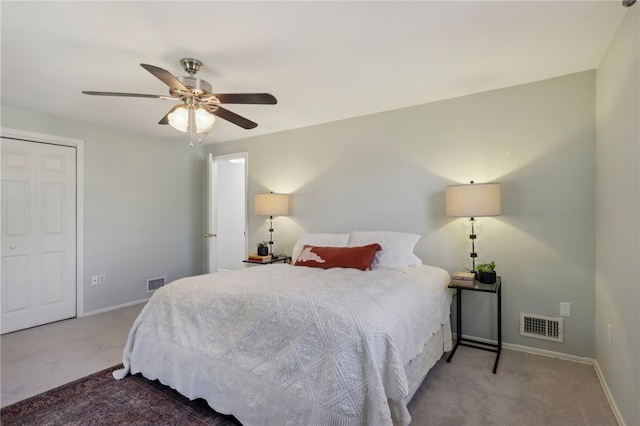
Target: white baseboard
(536,351)
(607,392)
(113,308)
(560,355)
(551,354)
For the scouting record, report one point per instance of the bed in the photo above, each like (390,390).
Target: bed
(287,344)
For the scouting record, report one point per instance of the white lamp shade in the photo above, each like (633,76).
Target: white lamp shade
(179,119)
(473,200)
(272,204)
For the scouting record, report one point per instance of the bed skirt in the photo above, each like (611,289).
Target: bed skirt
(418,367)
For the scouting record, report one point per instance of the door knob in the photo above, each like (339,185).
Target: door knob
(209,235)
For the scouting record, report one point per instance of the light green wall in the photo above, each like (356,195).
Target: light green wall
(389,171)
(143,206)
(618,217)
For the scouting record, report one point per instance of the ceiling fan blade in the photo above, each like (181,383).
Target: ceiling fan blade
(129,95)
(165,119)
(246,98)
(234,118)
(166,77)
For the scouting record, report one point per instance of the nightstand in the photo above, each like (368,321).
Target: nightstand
(275,259)
(495,288)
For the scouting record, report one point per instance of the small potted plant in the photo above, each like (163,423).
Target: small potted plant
(487,273)
(263,248)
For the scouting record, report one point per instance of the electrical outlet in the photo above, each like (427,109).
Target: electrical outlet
(102,279)
(94,280)
(565,309)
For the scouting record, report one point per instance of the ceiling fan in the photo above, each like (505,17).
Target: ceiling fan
(199,106)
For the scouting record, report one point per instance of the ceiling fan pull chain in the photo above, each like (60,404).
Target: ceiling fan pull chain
(192,124)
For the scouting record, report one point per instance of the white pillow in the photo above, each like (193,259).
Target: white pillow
(322,240)
(397,248)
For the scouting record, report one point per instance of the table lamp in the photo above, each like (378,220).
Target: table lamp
(473,200)
(272,205)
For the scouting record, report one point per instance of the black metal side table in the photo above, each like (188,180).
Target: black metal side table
(487,288)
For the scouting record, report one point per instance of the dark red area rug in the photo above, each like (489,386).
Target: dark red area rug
(99,399)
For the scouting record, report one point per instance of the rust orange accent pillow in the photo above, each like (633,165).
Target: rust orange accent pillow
(338,257)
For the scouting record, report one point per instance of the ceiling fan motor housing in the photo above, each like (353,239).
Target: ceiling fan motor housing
(199,90)
(196,85)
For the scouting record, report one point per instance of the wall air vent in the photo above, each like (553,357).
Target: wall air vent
(155,283)
(540,327)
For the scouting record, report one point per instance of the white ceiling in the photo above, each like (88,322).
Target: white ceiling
(324,61)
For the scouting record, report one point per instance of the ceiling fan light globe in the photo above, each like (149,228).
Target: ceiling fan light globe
(204,120)
(179,119)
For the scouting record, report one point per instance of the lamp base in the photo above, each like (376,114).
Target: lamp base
(271,235)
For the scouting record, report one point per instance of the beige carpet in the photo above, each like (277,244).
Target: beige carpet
(528,389)
(42,358)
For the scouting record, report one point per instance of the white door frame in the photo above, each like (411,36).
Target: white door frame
(211,244)
(79,145)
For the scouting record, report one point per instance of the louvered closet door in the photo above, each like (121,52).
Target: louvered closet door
(38,234)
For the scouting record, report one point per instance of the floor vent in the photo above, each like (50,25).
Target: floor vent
(540,327)
(155,283)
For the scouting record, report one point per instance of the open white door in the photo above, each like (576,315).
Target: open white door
(227,211)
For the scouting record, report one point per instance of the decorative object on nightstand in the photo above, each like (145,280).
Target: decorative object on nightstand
(487,273)
(268,259)
(473,200)
(463,278)
(259,258)
(263,248)
(272,205)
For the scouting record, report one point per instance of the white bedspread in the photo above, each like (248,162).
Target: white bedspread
(291,345)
